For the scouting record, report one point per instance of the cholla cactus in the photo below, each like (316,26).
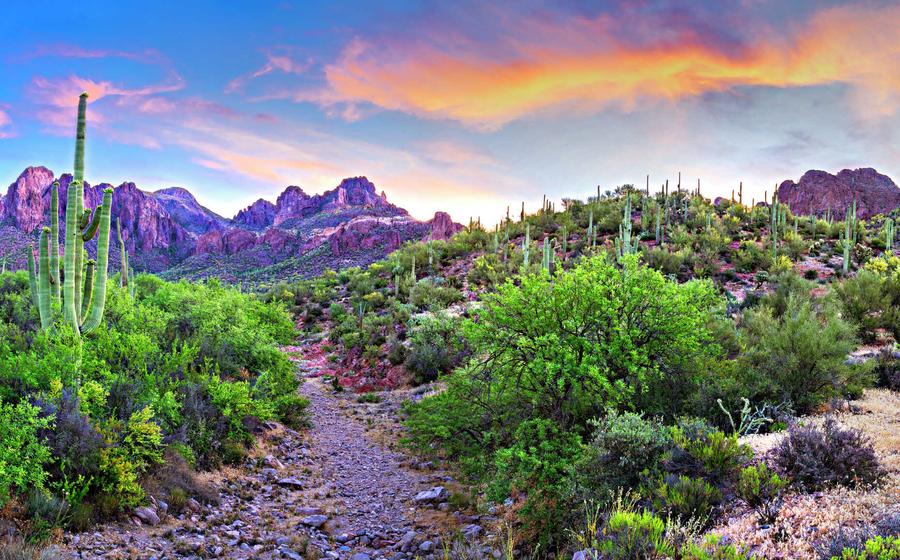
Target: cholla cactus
(83,294)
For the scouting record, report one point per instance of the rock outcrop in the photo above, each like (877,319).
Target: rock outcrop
(22,205)
(257,216)
(818,192)
(443,226)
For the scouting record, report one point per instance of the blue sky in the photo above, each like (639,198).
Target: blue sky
(466,107)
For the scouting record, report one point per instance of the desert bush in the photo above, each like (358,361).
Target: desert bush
(712,547)
(815,458)
(664,260)
(436,347)
(431,294)
(685,498)
(629,534)
(761,489)
(626,450)
(878,548)
(802,351)
(23,454)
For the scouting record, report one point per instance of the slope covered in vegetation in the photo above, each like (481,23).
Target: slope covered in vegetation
(605,360)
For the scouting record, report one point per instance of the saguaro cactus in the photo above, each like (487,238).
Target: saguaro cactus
(525,244)
(83,292)
(625,244)
(889,234)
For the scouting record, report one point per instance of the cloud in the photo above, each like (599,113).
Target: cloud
(584,65)
(274,62)
(57,98)
(62,50)
(5,122)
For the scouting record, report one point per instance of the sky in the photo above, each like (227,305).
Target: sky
(467,107)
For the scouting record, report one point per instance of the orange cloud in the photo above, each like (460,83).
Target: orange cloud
(583,65)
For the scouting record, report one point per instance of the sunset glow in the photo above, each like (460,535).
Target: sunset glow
(438,102)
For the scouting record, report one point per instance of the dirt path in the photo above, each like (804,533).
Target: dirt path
(334,491)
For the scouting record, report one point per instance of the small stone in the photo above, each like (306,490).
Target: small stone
(434,495)
(310,511)
(314,521)
(360,556)
(426,546)
(147,515)
(291,482)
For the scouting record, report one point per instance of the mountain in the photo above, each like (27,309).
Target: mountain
(184,209)
(818,192)
(169,232)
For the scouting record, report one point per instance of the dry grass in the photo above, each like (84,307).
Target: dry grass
(806,520)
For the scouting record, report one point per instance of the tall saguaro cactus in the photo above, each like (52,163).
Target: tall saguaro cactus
(83,295)
(625,243)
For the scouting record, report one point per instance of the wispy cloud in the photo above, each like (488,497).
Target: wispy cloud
(5,122)
(275,62)
(62,50)
(535,66)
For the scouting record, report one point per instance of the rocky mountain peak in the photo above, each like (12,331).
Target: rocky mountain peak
(818,191)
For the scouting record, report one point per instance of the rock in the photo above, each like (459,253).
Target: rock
(360,556)
(23,205)
(194,506)
(406,541)
(314,521)
(471,531)
(819,191)
(147,515)
(291,482)
(434,495)
(258,216)
(426,546)
(290,554)
(310,511)
(443,227)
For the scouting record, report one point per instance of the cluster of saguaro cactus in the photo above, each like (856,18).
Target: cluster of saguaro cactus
(83,294)
(889,234)
(625,243)
(547,259)
(848,238)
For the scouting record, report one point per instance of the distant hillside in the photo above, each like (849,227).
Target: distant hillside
(170,232)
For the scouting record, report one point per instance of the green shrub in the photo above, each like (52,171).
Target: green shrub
(22,455)
(628,535)
(802,351)
(878,548)
(686,498)
(626,449)
(712,548)
(436,347)
(761,489)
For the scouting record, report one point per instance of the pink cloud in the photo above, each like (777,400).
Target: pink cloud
(5,122)
(274,62)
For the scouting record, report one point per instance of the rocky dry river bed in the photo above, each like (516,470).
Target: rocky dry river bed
(336,490)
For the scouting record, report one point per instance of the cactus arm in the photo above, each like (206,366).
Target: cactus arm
(101,272)
(92,227)
(80,133)
(44,307)
(32,279)
(54,241)
(88,288)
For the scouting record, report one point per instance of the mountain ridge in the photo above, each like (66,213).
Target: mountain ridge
(165,229)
